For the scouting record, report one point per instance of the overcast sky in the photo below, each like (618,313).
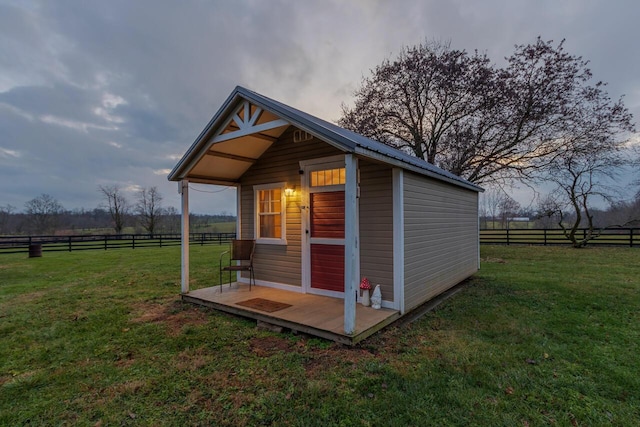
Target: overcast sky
(114,92)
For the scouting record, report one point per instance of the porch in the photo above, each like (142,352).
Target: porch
(316,315)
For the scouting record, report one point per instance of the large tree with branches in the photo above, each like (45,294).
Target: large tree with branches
(117,205)
(540,118)
(43,213)
(149,208)
(484,123)
(588,165)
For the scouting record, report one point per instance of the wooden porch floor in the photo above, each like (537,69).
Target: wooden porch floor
(312,314)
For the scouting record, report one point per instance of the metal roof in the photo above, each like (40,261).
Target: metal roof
(341,138)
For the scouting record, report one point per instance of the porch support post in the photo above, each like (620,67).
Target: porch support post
(350,242)
(184,191)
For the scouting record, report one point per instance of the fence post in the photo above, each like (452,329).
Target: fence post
(507,237)
(161,240)
(631,237)
(201,239)
(69,243)
(545,237)
(105,242)
(133,241)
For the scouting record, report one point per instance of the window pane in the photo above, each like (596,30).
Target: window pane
(270,201)
(328,177)
(271,226)
(335,178)
(269,207)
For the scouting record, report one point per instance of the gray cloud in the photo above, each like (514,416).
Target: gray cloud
(110,92)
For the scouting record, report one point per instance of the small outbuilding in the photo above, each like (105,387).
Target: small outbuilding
(326,208)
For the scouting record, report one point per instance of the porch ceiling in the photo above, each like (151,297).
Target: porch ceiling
(241,140)
(227,161)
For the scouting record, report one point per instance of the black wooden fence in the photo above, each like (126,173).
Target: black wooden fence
(609,237)
(38,244)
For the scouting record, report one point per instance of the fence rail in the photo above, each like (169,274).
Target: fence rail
(23,244)
(608,237)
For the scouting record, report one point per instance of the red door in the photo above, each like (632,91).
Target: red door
(327,240)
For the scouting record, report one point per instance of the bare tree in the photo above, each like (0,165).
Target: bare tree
(491,201)
(547,214)
(149,208)
(5,215)
(172,219)
(485,124)
(621,213)
(43,213)
(412,102)
(508,209)
(581,175)
(117,205)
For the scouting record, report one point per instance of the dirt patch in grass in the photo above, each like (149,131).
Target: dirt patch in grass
(128,387)
(29,297)
(268,346)
(171,312)
(321,360)
(493,260)
(192,360)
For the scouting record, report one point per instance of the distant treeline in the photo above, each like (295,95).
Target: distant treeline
(499,211)
(99,221)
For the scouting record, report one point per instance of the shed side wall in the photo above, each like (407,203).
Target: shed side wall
(280,263)
(376,226)
(440,236)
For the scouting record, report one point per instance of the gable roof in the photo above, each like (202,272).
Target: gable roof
(241,116)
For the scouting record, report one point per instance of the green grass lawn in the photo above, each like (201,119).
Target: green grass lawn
(540,336)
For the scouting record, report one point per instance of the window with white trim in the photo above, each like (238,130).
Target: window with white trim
(270,213)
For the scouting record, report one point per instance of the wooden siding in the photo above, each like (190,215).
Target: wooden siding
(376,226)
(327,267)
(441,237)
(280,263)
(327,215)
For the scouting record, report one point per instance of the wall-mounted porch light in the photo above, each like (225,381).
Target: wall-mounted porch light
(289,191)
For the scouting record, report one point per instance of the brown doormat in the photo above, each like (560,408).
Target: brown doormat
(264,304)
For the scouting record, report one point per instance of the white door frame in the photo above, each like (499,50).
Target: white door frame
(307,166)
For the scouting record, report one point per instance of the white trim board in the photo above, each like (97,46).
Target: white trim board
(398,239)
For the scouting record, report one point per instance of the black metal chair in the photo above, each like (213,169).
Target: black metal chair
(242,251)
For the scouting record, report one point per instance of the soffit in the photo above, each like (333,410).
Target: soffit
(246,134)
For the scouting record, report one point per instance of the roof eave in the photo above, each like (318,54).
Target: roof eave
(399,163)
(341,142)
(178,172)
